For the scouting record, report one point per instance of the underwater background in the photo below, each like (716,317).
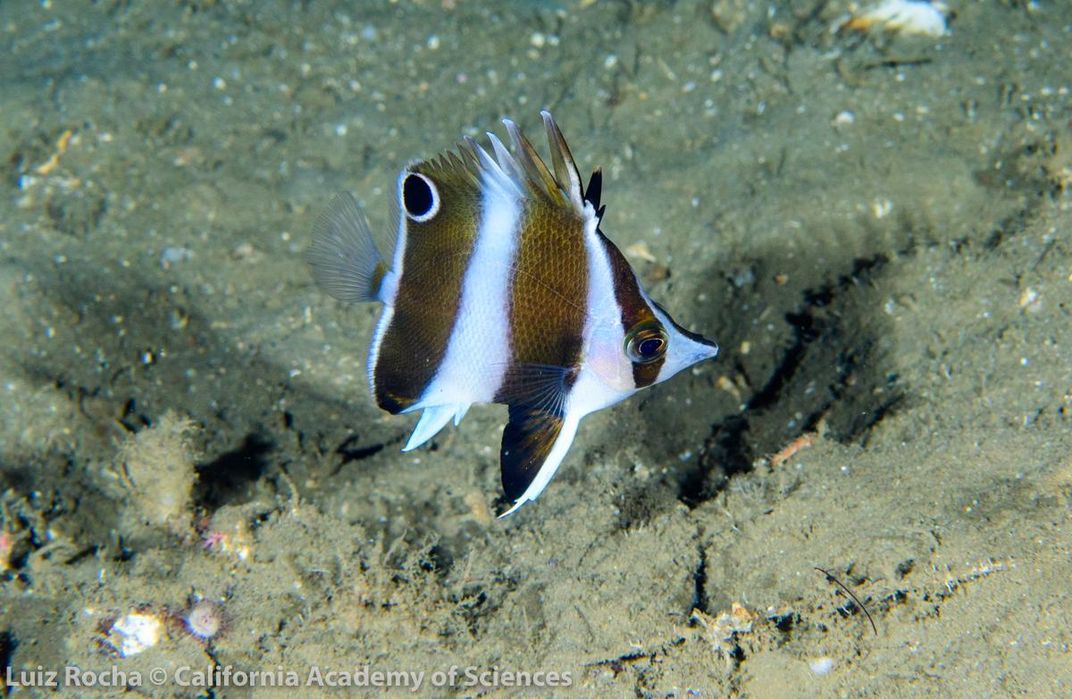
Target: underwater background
(873,223)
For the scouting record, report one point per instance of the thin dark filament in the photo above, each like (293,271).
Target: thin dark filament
(830,577)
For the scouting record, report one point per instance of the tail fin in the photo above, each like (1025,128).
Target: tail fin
(343,257)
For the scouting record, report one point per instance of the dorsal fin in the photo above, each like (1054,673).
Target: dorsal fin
(562,186)
(523,167)
(594,191)
(461,163)
(562,160)
(529,164)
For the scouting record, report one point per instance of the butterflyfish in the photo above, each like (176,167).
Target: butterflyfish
(501,288)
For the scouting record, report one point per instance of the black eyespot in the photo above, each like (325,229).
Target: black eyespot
(646,342)
(420,200)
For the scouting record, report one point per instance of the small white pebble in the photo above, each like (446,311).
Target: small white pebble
(244,251)
(134,633)
(1030,300)
(919,17)
(881,207)
(844,118)
(821,666)
(173,255)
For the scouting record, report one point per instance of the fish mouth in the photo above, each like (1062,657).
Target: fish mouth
(710,346)
(709,349)
(701,349)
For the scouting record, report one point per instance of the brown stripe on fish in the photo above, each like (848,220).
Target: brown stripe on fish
(634,310)
(440,201)
(549,291)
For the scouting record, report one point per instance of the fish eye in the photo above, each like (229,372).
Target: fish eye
(646,343)
(420,199)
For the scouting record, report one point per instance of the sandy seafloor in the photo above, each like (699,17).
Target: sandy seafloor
(876,228)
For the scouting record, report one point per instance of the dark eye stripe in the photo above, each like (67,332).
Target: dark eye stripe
(633,309)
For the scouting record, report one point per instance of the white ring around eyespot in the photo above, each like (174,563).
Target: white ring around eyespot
(432,210)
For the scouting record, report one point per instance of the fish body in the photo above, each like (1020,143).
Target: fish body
(502,289)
